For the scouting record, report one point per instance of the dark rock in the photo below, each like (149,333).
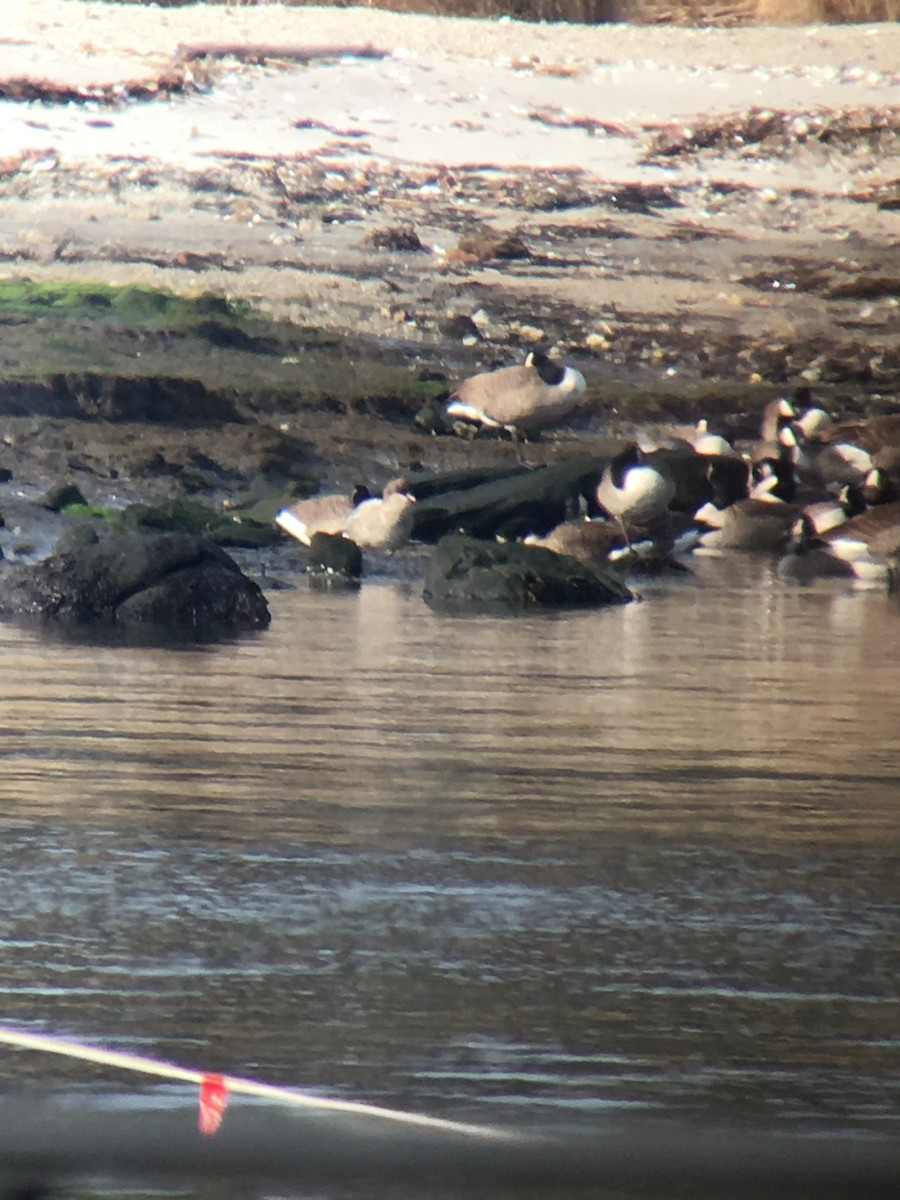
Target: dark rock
(459,326)
(487,243)
(334,561)
(181,585)
(395,237)
(187,516)
(61,496)
(77,536)
(521,499)
(468,575)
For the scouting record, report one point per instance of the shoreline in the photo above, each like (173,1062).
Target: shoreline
(675,258)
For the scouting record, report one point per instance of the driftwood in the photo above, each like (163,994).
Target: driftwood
(191,51)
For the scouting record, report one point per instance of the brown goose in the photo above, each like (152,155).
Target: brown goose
(319,514)
(383,523)
(589,542)
(519,399)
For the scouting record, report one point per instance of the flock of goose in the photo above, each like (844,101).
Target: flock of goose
(822,495)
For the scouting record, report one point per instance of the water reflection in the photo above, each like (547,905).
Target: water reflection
(644,856)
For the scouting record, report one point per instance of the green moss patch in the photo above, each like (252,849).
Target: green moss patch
(27,298)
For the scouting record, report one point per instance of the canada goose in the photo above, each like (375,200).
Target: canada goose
(864,544)
(773,464)
(319,514)
(383,523)
(870,433)
(867,540)
(776,415)
(763,526)
(707,442)
(589,541)
(633,491)
(520,399)
(879,487)
(697,478)
(813,422)
(764,523)
(826,461)
(809,558)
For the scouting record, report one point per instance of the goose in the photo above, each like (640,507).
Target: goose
(588,541)
(773,465)
(633,491)
(319,514)
(696,478)
(864,545)
(809,558)
(777,414)
(870,433)
(520,399)
(825,460)
(879,487)
(709,443)
(762,526)
(382,523)
(764,523)
(813,422)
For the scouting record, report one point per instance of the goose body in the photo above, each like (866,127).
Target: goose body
(763,526)
(523,398)
(588,541)
(706,442)
(863,545)
(871,433)
(634,491)
(319,514)
(383,523)
(776,416)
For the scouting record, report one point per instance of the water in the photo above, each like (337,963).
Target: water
(636,859)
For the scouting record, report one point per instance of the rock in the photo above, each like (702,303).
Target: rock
(61,496)
(394,237)
(76,537)
(468,575)
(487,243)
(179,584)
(513,502)
(188,516)
(459,327)
(334,561)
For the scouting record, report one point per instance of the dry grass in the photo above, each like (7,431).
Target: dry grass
(818,12)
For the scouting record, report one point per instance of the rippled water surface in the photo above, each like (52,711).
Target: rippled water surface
(638,857)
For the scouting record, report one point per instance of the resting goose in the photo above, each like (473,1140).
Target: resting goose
(521,399)
(383,523)
(863,545)
(319,514)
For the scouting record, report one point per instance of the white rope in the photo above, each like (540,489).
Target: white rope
(247,1087)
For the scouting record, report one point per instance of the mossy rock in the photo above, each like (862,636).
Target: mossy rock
(188,516)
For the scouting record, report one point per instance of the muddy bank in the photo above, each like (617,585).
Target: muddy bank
(695,222)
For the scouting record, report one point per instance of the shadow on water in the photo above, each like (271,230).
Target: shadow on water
(568,865)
